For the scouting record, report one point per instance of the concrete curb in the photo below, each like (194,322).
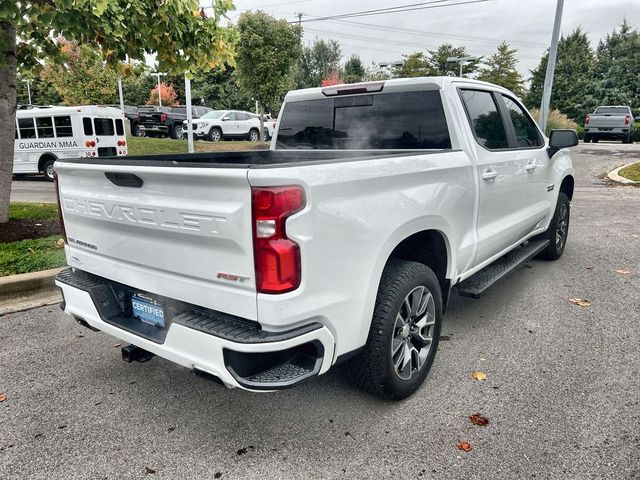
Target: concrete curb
(614,175)
(26,283)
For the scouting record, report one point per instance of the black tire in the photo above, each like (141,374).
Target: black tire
(47,170)
(629,138)
(558,241)
(135,129)
(214,135)
(176,132)
(254,135)
(266,134)
(587,138)
(373,369)
(594,140)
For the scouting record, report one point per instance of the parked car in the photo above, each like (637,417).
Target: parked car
(609,123)
(131,114)
(269,125)
(226,125)
(167,121)
(344,242)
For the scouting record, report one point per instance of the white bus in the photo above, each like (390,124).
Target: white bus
(44,134)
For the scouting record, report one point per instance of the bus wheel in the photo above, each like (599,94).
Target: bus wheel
(48,170)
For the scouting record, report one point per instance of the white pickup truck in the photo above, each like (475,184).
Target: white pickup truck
(342,242)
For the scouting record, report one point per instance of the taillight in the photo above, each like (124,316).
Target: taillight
(90,143)
(163,117)
(277,258)
(57,189)
(586,120)
(627,120)
(122,143)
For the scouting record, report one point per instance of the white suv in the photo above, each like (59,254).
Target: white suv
(225,125)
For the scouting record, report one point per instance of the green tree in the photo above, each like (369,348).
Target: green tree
(353,70)
(267,54)
(573,90)
(42,91)
(617,67)
(182,39)
(500,68)
(136,84)
(219,89)
(414,65)
(439,65)
(317,62)
(82,78)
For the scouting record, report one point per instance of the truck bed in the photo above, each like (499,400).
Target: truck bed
(250,159)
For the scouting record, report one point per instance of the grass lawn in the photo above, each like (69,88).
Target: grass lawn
(155,146)
(31,255)
(33,211)
(632,172)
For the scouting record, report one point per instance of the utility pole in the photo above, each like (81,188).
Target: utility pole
(28,82)
(187,94)
(158,74)
(551,66)
(299,15)
(120,93)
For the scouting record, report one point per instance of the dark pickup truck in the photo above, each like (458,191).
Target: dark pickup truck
(165,121)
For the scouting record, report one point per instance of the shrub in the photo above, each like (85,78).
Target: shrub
(558,120)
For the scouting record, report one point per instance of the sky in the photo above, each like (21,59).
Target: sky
(479,25)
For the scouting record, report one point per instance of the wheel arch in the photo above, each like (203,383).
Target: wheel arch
(44,158)
(567,186)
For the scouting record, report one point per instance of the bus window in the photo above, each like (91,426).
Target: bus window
(63,126)
(88,126)
(27,129)
(104,126)
(119,126)
(45,127)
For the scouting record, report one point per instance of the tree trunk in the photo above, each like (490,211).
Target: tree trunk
(7,113)
(261,113)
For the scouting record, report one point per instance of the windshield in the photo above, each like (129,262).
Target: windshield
(214,114)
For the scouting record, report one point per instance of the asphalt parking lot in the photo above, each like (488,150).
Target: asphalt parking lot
(562,393)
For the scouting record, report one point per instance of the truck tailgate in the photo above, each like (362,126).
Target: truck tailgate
(184,233)
(607,121)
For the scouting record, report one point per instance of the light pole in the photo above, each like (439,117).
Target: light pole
(551,66)
(120,94)
(462,61)
(158,74)
(28,82)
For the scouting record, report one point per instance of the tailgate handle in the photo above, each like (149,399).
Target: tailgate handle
(124,179)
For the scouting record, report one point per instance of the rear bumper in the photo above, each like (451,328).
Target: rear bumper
(616,132)
(237,352)
(154,128)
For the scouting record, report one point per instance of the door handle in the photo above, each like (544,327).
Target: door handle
(531,166)
(489,175)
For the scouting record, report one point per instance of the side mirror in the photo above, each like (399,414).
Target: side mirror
(559,139)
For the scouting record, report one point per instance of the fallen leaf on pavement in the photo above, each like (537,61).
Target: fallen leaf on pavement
(581,302)
(623,272)
(116,345)
(478,375)
(465,446)
(60,243)
(149,471)
(478,419)
(3,397)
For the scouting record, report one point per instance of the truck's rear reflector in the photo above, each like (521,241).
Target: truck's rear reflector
(353,89)
(277,258)
(57,189)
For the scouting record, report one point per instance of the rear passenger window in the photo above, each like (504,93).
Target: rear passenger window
(87,125)
(27,129)
(104,126)
(388,121)
(526,131)
(45,127)
(242,116)
(119,127)
(63,126)
(485,119)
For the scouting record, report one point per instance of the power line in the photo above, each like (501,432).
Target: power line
(392,10)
